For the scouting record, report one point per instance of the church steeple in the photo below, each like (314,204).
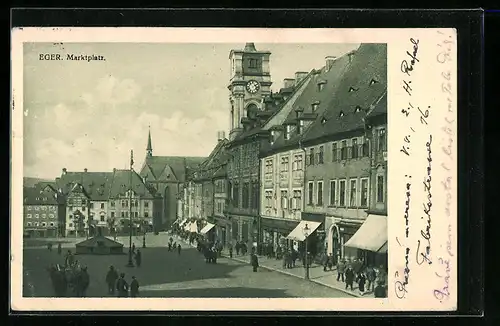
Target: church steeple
(149,149)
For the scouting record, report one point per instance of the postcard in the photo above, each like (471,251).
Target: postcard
(236,169)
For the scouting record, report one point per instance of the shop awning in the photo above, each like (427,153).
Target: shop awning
(207,228)
(182,223)
(298,233)
(191,227)
(372,235)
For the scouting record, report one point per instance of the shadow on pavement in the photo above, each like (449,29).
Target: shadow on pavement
(230,292)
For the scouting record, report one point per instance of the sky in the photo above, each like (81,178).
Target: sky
(80,114)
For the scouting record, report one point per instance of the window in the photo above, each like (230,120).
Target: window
(123,204)
(146,204)
(35,223)
(91,205)
(382,141)
(284,199)
(102,218)
(102,205)
(37,208)
(284,166)
(380,189)
(342,191)
(44,224)
(255,195)
(320,193)
(299,162)
(84,208)
(146,214)
(236,195)
(354,148)
(269,199)
(246,195)
(269,170)
(44,208)
(364,193)
(113,203)
(51,215)
(335,156)
(28,224)
(112,214)
(333,192)
(297,199)
(37,215)
(123,214)
(70,225)
(311,156)
(29,208)
(44,215)
(354,191)
(310,193)
(253,63)
(321,154)
(28,215)
(364,149)
(314,106)
(343,150)
(71,216)
(51,223)
(136,214)
(84,202)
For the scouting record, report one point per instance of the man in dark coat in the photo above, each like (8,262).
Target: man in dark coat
(138,258)
(340,270)
(134,287)
(111,278)
(83,281)
(230,251)
(349,277)
(122,286)
(178,249)
(59,248)
(254,260)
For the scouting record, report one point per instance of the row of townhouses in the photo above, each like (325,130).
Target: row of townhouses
(90,203)
(312,154)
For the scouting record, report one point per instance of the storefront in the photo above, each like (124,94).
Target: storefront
(275,232)
(337,232)
(208,231)
(306,231)
(370,240)
(317,238)
(244,229)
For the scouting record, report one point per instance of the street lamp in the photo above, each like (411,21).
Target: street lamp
(130,262)
(306,231)
(144,235)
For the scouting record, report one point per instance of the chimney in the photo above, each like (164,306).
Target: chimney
(329,60)
(221,135)
(64,171)
(299,75)
(351,55)
(288,82)
(85,170)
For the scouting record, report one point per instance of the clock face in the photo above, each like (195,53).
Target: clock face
(253,86)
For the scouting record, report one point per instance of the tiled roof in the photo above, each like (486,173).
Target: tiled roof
(217,158)
(310,95)
(96,184)
(40,195)
(178,165)
(379,109)
(122,179)
(95,241)
(363,84)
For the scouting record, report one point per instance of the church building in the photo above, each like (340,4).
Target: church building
(167,174)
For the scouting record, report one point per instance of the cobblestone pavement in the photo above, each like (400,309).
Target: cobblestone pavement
(167,274)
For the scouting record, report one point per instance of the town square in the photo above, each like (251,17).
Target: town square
(208,177)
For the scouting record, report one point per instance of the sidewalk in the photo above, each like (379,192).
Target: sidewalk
(316,273)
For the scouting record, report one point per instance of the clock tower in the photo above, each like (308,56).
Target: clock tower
(249,83)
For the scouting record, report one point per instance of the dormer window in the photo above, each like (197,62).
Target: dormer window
(314,106)
(358,109)
(323,120)
(321,85)
(352,89)
(341,114)
(373,81)
(286,135)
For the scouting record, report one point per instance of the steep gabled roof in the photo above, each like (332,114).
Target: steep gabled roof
(124,180)
(96,184)
(40,195)
(363,84)
(178,165)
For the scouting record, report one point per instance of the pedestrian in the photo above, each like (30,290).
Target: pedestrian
(254,261)
(111,278)
(69,259)
(133,247)
(326,261)
(361,282)
(122,286)
(230,251)
(341,270)
(237,247)
(59,248)
(370,277)
(134,287)
(380,290)
(179,249)
(49,246)
(83,281)
(349,277)
(285,259)
(382,274)
(330,262)
(138,258)
(294,257)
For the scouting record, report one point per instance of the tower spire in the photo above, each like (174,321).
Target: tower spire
(149,149)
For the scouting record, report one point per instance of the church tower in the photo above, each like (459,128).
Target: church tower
(149,149)
(249,83)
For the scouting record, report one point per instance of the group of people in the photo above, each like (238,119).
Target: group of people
(368,278)
(118,284)
(70,278)
(174,246)
(136,253)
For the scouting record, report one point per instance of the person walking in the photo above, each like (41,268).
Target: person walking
(361,282)
(230,251)
(83,282)
(179,249)
(111,278)
(59,248)
(371,276)
(349,277)
(49,246)
(134,287)
(254,260)
(340,270)
(122,286)
(69,259)
(326,261)
(133,247)
(138,258)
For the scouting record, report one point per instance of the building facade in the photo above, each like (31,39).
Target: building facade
(42,211)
